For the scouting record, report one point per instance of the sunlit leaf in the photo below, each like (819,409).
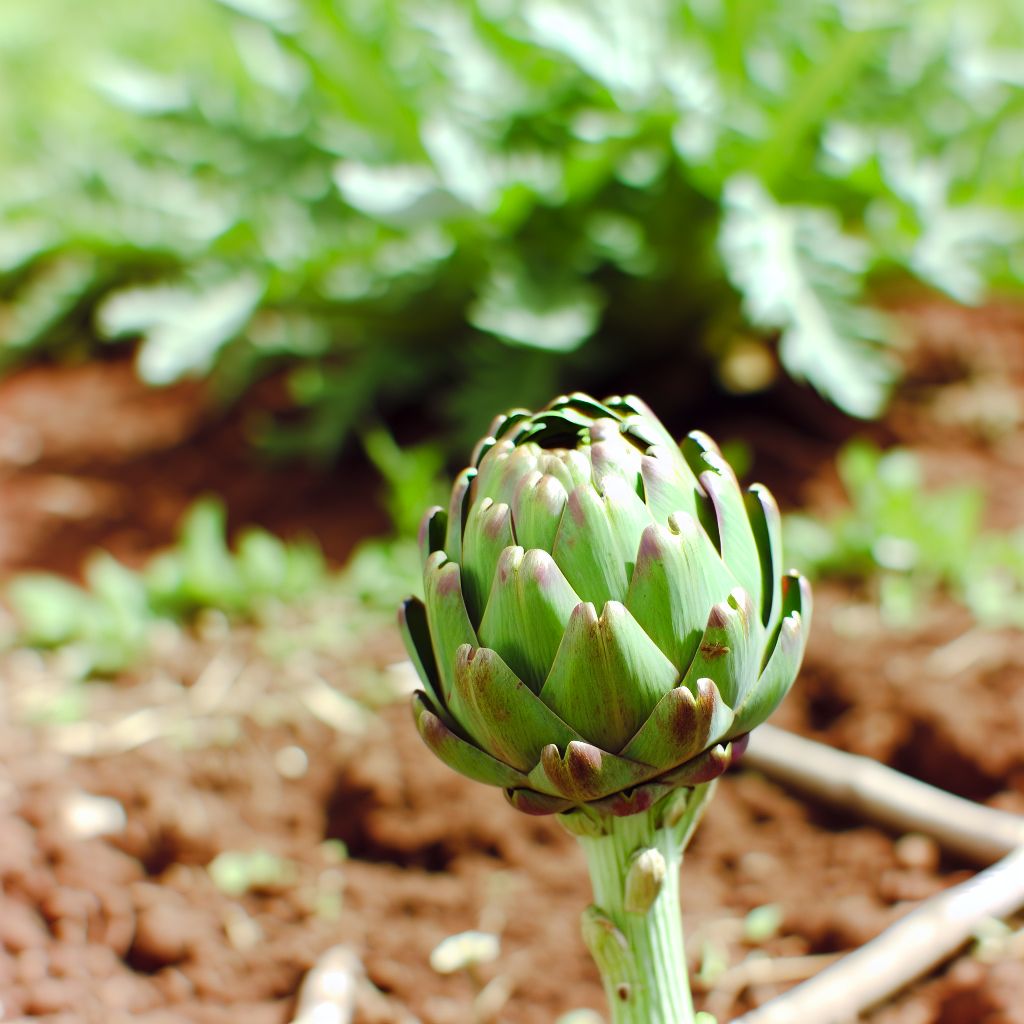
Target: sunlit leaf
(182,329)
(556,318)
(800,274)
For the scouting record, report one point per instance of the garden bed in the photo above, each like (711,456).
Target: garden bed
(239,757)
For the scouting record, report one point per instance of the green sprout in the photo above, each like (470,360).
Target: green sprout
(911,541)
(605,620)
(236,872)
(111,620)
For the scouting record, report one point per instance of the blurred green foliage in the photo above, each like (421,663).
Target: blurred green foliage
(110,619)
(468,205)
(413,477)
(201,571)
(910,540)
(236,872)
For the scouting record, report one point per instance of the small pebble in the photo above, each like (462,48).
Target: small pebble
(243,932)
(328,992)
(86,816)
(291,762)
(917,851)
(758,865)
(467,949)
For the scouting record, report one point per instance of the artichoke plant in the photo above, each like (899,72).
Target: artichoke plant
(606,617)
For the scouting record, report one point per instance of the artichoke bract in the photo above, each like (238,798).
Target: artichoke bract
(606,613)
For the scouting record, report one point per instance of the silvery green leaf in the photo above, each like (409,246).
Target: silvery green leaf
(800,274)
(140,89)
(182,329)
(388,191)
(458,753)
(555,318)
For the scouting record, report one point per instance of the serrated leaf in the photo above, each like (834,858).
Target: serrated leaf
(183,330)
(800,274)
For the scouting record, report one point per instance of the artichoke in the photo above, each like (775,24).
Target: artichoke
(605,616)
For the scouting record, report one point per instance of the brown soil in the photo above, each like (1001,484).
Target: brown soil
(90,457)
(130,926)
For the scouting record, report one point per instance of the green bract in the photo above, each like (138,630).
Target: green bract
(605,611)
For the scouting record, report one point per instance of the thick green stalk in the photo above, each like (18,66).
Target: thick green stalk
(634,929)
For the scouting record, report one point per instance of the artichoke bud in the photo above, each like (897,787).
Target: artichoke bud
(644,880)
(605,611)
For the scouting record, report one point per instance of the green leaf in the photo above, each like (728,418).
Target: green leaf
(412,474)
(529,801)
(597,540)
(766,523)
(784,662)
(450,627)
(669,484)
(611,454)
(555,316)
(527,611)
(681,726)
(586,772)
(730,650)
(640,421)
(432,531)
(415,631)
(182,330)
(488,533)
(501,713)
(571,467)
(703,768)
(460,755)
(537,510)
(607,676)
(263,562)
(210,577)
(678,577)
(49,609)
(736,540)
(799,274)
(458,512)
(502,469)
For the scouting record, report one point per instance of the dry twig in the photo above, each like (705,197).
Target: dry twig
(328,992)
(903,952)
(981,834)
(939,926)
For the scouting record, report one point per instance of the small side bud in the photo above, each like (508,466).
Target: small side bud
(601,937)
(644,880)
(612,954)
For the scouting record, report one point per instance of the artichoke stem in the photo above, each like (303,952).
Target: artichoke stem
(640,955)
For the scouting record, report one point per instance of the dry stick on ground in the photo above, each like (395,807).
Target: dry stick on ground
(903,952)
(940,925)
(981,834)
